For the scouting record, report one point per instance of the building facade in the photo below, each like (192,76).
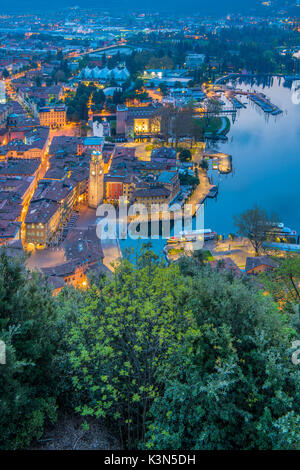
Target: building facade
(53,117)
(96,180)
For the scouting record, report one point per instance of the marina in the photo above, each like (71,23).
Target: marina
(253,150)
(265,172)
(264,103)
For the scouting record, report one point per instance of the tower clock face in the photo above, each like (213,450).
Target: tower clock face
(100,172)
(93,173)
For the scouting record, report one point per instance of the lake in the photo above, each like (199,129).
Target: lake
(265,152)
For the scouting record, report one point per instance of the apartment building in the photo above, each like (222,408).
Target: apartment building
(53,117)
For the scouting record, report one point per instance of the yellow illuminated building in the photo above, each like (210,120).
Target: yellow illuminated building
(53,117)
(146,126)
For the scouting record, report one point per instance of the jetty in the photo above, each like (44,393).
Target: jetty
(224,161)
(264,103)
(230,95)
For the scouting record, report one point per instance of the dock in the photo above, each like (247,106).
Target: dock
(260,100)
(224,161)
(230,95)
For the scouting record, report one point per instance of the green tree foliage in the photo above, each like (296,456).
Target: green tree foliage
(189,180)
(232,384)
(169,357)
(283,284)
(124,333)
(5,73)
(77,106)
(185,155)
(27,380)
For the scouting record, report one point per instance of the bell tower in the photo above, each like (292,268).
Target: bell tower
(96,180)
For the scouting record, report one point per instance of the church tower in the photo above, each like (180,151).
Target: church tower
(96,180)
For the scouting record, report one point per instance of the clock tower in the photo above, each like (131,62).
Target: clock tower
(96,180)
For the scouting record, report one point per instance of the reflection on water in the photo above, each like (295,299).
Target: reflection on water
(266,161)
(265,158)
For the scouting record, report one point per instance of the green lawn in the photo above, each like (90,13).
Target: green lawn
(213,125)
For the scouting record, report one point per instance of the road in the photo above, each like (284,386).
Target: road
(201,191)
(110,247)
(68,130)
(21,74)
(92,51)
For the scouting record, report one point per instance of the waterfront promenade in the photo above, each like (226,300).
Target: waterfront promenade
(238,250)
(201,191)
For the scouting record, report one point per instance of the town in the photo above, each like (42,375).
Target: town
(93,116)
(161,113)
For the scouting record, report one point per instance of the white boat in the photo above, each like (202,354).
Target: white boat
(207,234)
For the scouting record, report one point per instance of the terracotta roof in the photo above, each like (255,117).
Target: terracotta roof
(152,192)
(255,261)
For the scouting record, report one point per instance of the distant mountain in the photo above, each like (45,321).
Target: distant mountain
(217,7)
(209,7)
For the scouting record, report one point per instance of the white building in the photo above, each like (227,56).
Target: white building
(119,74)
(101,129)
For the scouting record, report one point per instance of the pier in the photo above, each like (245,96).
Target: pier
(264,103)
(230,95)
(224,161)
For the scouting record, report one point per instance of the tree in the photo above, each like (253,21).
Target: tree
(59,55)
(28,381)
(283,282)
(213,107)
(121,337)
(163,88)
(99,97)
(289,272)
(185,155)
(166,114)
(232,385)
(204,164)
(183,123)
(160,63)
(254,224)
(60,76)
(197,130)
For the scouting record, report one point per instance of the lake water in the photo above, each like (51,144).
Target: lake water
(265,152)
(266,162)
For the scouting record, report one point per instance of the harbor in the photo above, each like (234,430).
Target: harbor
(252,151)
(264,171)
(264,103)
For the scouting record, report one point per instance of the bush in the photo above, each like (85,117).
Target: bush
(232,385)
(185,155)
(125,332)
(28,379)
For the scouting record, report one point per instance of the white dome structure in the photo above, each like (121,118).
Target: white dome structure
(87,73)
(104,73)
(123,74)
(96,72)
